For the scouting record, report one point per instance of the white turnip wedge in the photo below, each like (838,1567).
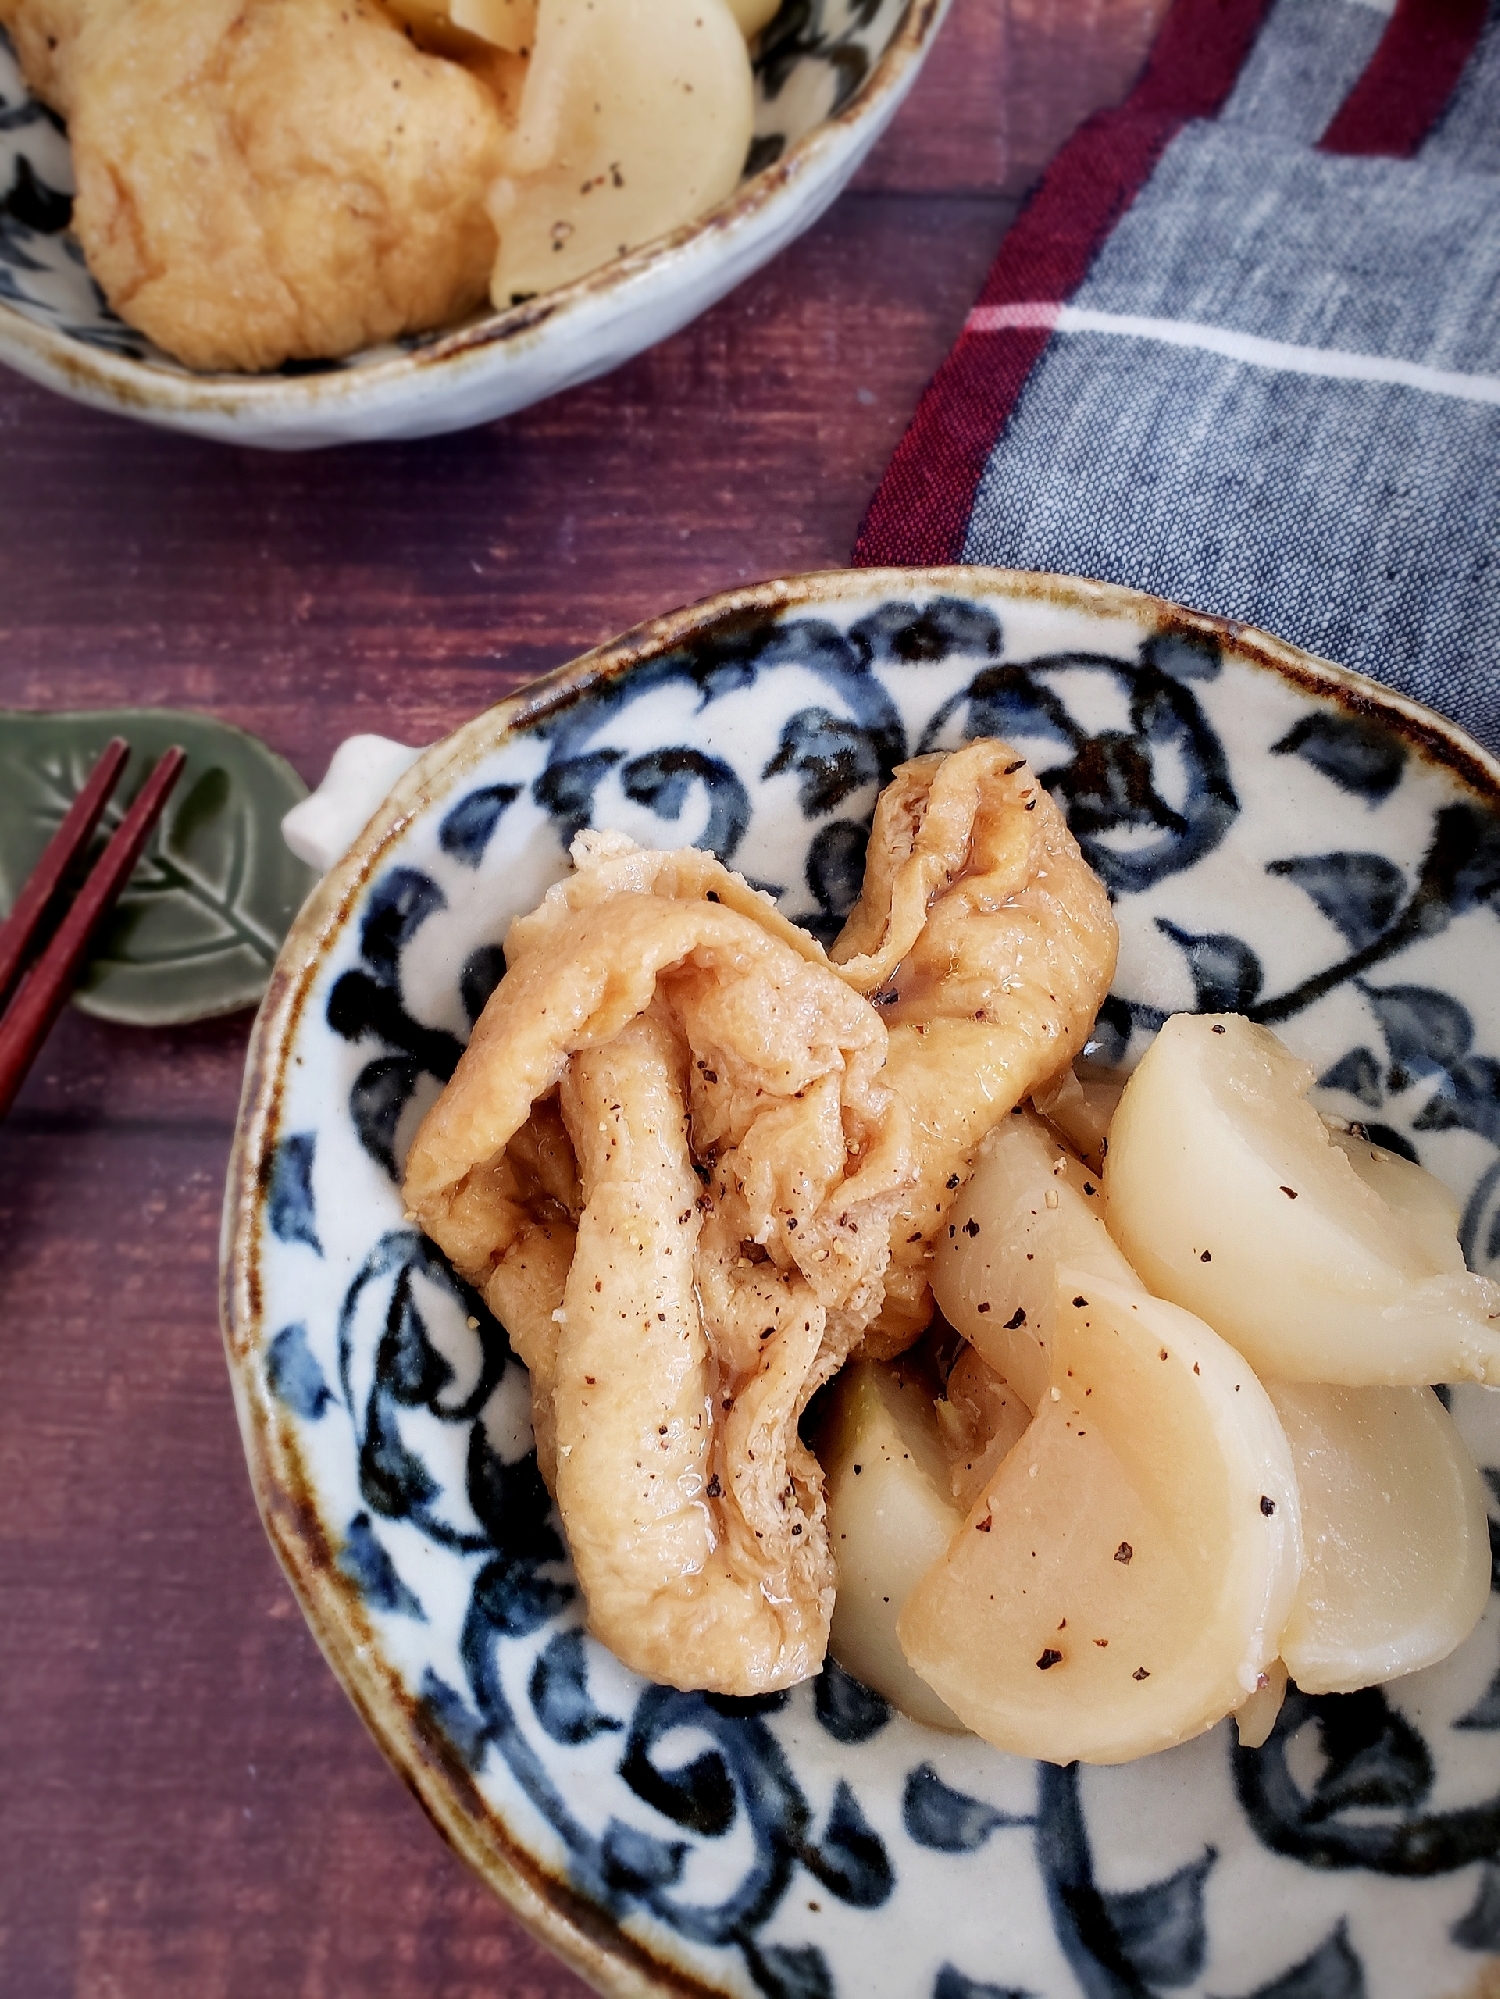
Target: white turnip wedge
(1123,1582)
(1257,1717)
(1028,1206)
(507,24)
(1080,1108)
(753,15)
(1424,1204)
(980,1418)
(1229,1195)
(636,117)
(1397,1569)
(890,1517)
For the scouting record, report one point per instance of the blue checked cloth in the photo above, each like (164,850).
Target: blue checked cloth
(1273,390)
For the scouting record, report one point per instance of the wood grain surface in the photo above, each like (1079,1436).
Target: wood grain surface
(189,1807)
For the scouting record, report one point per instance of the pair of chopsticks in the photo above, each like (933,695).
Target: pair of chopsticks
(36,992)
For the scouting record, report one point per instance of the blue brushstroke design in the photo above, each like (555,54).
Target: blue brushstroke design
(294,1375)
(367,1565)
(290,1209)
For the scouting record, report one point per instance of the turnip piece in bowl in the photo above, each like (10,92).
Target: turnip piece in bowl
(1123,1582)
(1229,1195)
(1397,1570)
(890,1517)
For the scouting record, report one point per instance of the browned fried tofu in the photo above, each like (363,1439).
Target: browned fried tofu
(45,33)
(267,180)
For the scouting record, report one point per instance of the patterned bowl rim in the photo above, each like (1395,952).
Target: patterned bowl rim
(584,1937)
(140,387)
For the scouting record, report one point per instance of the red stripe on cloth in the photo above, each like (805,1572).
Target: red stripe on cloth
(920,513)
(1407,82)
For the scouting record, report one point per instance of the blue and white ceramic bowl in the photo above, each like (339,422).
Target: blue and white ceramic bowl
(829,77)
(1281,838)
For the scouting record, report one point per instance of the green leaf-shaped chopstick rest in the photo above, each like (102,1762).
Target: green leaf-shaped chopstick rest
(198,928)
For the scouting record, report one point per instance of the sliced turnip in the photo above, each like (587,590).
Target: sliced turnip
(1418,1196)
(753,15)
(890,1517)
(1397,1569)
(1080,1107)
(1123,1582)
(1028,1205)
(635,118)
(980,1418)
(1256,1718)
(1230,1196)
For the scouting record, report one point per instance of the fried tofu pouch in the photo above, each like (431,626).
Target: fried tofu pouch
(738,1160)
(988,944)
(261,181)
(46,36)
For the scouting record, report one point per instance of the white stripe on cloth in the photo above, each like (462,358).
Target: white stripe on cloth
(1331,362)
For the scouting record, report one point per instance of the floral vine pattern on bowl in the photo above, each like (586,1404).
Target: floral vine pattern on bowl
(1275,842)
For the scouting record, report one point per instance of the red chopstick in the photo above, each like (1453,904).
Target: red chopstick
(45,879)
(45,986)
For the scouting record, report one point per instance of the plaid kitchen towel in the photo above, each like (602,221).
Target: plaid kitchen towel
(1242,347)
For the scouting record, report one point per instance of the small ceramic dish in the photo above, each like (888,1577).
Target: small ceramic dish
(1281,838)
(829,77)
